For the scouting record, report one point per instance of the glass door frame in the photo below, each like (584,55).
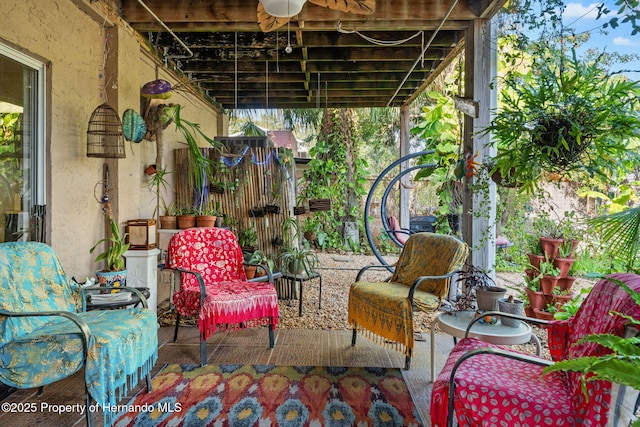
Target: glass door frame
(35,100)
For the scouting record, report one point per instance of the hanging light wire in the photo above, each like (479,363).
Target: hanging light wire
(376,41)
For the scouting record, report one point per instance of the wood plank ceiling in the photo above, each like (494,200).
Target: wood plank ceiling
(239,66)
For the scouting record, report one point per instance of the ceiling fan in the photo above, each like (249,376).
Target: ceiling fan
(273,14)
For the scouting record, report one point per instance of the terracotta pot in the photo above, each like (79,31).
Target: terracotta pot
(528,311)
(561,299)
(250,271)
(168,222)
(544,315)
(564,265)
(536,299)
(531,273)
(205,220)
(535,260)
(150,170)
(565,283)
(548,283)
(186,221)
(550,246)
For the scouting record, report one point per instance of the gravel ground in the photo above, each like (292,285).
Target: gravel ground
(339,271)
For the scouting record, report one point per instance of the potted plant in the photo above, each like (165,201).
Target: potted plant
(309,229)
(534,294)
(563,114)
(486,291)
(548,276)
(248,238)
(564,261)
(186,218)
(114,272)
(158,182)
(205,217)
(512,306)
(546,314)
(298,260)
(169,221)
(259,259)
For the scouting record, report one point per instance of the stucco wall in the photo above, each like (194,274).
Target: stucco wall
(74,45)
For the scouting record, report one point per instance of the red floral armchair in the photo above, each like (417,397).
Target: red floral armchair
(214,286)
(492,386)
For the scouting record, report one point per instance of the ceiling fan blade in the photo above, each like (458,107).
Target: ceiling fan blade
(359,7)
(269,22)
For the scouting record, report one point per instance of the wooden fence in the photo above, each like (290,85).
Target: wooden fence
(253,177)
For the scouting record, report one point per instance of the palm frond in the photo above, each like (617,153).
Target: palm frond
(621,230)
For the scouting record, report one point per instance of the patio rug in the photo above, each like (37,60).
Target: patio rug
(267,395)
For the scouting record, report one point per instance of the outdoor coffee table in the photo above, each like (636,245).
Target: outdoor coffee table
(456,323)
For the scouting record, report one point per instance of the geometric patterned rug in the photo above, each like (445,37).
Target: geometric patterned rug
(267,395)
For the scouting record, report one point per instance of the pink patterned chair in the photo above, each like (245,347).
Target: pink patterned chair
(492,386)
(214,285)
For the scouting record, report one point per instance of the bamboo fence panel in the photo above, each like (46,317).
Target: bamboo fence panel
(256,180)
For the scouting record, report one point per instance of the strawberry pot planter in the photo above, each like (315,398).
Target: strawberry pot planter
(564,265)
(550,246)
(565,283)
(548,283)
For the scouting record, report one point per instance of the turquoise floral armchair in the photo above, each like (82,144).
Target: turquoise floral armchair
(46,336)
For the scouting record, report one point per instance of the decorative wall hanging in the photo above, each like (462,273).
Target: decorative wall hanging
(105,138)
(157,89)
(133,126)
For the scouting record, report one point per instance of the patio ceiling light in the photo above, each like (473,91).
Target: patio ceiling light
(283,8)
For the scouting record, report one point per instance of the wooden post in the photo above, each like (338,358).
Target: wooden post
(478,225)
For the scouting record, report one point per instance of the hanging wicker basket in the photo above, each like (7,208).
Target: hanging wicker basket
(105,138)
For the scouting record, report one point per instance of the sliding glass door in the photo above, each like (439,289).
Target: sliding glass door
(22,163)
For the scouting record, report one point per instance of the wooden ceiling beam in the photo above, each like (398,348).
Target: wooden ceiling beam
(216,15)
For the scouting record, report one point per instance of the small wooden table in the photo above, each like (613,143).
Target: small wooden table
(303,277)
(456,323)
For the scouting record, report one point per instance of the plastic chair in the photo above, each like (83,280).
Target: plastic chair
(46,336)
(214,286)
(485,384)
(383,311)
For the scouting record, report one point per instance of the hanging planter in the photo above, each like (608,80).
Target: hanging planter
(316,205)
(567,113)
(299,210)
(216,188)
(256,212)
(272,209)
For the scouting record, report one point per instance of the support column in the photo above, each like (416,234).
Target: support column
(478,225)
(403,189)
